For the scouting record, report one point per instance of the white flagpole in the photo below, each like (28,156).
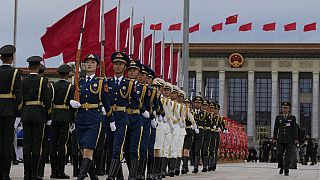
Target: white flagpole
(118,26)
(162,56)
(171,60)
(142,41)
(131,34)
(15,29)
(153,49)
(102,38)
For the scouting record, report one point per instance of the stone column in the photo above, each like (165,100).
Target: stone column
(251,107)
(222,80)
(199,83)
(315,106)
(274,99)
(295,95)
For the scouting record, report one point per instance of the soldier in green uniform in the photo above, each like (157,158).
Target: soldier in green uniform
(10,98)
(62,117)
(36,103)
(285,134)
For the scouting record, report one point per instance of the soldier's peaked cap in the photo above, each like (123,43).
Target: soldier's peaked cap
(92,57)
(120,56)
(34,60)
(7,50)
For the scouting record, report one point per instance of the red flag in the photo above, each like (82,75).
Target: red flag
(166,63)
(175,64)
(137,30)
(110,19)
(147,50)
(175,27)
(232,19)
(156,27)
(290,27)
(246,27)
(157,59)
(124,35)
(217,27)
(269,27)
(194,28)
(63,34)
(310,27)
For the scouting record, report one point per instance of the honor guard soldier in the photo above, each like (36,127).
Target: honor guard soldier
(199,117)
(94,98)
(285,134)
(62,117)
(10,98)
(206,135)
(122,92)
(36,104)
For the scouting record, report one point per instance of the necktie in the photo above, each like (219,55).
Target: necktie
(117,82)
(88,79)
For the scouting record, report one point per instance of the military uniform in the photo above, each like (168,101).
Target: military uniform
(285,133)
(206,137)
(36,104)
(62,117)
(10,98)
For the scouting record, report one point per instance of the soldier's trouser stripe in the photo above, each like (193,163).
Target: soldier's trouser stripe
(100,125)
(123,140)
(141,130)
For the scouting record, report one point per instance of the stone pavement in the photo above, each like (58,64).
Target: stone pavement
(226,171)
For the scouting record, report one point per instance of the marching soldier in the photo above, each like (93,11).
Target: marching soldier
(62,117)
(10,98)
(36,104)
(93,93)
(123,93)
(199,117)
(206,135)
(285,134)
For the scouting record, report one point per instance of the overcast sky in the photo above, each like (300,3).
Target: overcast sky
(35,15)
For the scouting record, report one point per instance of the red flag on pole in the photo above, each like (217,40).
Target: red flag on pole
(290,27)
(245,27)
(175,65)
(110,19)
(269,27)
(156,27)
(137,31)
(147,50)
(310,27)
(157,58)
(124,35)
(217,27)
(232,19)
(194,28)
(175,27)
(166,63)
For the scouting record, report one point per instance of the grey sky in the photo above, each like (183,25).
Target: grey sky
(35,15)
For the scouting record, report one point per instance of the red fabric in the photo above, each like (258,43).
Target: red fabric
(175,27)
(147,50)
(166,64)
(246,27)
(310,27)
(232,19)
(124,35)
(194,28)
(157,66)
(269,27)
(290,27)
(63,34)
(156,27)
(137,37)
(110,19)
(217,27)
(175,64)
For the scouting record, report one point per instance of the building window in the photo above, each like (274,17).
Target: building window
(212,89)
(192,85)
(263,101)
(285,91)
(305,117)
(238,99)
(305,85)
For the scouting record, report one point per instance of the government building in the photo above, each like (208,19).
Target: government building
(250,81)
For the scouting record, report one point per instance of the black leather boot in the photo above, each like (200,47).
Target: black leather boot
(184,165)
(84,168)
(164,164)
(177,169)
(92,172)
(61,166)
(205,164)
(75,164)
(133,169)
(157,168)
(142,168)
(113,169)
(210,163)
(150,172)
(196,165)
(172,166)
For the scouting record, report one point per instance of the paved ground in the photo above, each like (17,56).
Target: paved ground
(226,171)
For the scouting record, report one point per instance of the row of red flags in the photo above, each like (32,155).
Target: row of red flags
(63,38)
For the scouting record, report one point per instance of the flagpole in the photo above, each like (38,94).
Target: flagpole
(185,49)
(178,69)
(118,26)
(171,61)
(162,57)
(153,49)
(142,39)
(102,39)
(15,29)
(131,34)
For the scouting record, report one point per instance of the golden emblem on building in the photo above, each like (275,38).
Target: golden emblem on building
(236,60)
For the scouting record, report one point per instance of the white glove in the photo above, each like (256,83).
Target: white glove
(113,126)
(49,122)
(224,131)
(214,127)
(196,131)
(75,104)
(181,124)
(159,118)
(146,114)
(154,113)
(17,122)
(194,126)
(164,119)
(219,129)
(103,111)
(171,129)
(72,128)
(154,123)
